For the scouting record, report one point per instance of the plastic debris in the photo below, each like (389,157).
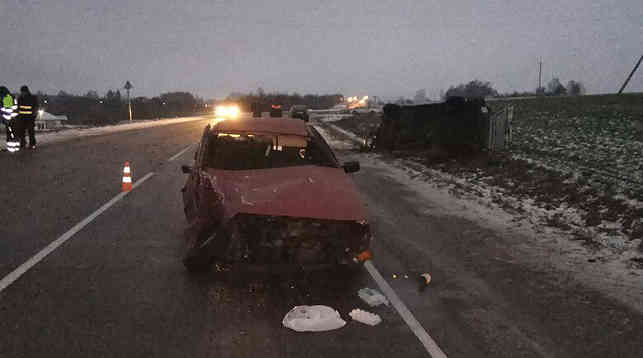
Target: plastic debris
(365,317)
(363,256)
(372,297)
(424,279)
(316,318)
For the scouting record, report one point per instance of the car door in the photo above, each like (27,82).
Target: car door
(191,188)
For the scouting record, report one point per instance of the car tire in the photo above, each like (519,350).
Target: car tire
(195,264)
(198,263)
(196,259)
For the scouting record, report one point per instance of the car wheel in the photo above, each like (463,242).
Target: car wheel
(197,259)
(197,264)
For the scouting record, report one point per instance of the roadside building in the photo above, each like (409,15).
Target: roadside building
(48,121)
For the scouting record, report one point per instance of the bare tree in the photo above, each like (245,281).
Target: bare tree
(473,89)
(91,94)
(555,88)
(420,97)
(575,88)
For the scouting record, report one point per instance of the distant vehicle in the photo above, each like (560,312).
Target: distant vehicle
(256,110)
(276,111)
(300,112)
(270,193)
(227,111)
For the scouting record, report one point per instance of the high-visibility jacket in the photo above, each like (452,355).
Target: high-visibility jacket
(27,107)
(9,112)
(9,107)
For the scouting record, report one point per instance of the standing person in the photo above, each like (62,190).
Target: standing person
(8,108)
(27,110)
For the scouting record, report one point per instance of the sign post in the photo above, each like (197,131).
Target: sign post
(128,86)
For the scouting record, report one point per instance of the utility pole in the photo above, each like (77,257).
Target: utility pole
(128,86)
(631,74)
(540,74)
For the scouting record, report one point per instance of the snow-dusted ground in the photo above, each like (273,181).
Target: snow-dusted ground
(334,142)
(329,117)
(604,149)
(70,133)
(522,223)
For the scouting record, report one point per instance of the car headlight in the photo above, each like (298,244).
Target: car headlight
(227,111)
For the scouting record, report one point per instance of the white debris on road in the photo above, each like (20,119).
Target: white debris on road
(313,319)
(365,317)
(67,134)
(372,297)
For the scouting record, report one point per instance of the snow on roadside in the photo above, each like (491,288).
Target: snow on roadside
(350,135)
(522,223)
(328,117)
(67,134)
(333,142)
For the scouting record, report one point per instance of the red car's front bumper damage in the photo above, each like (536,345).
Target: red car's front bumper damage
(286,217)
(272,243)
(270,240)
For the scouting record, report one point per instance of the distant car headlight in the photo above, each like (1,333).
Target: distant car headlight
(227,111)
(234,111)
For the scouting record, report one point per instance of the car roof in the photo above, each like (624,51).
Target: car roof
(267,125)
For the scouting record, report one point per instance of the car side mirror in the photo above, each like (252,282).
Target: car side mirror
(186,169)
(351,167)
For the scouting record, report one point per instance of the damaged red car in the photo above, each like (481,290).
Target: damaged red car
(269,194)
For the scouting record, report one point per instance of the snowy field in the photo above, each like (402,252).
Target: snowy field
(596,139)
(606,151)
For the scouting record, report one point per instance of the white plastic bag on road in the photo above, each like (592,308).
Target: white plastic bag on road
(372,297)
(313,319)
(368,318)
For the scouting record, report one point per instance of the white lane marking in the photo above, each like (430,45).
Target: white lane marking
(22,269)
(404,312)
(180,153)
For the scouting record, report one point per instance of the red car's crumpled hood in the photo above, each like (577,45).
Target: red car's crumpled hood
(304,191)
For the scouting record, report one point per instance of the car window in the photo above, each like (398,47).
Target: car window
(230,151)
(322,146)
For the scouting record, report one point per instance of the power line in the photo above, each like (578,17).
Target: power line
(631,74)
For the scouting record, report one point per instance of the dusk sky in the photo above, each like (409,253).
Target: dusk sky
(384,48)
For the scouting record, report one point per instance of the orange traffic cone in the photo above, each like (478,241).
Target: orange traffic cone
(127,178)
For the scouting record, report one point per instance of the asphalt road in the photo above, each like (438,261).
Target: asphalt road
(117,288)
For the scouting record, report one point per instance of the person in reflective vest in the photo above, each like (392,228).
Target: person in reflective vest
(9,113)
(27,110)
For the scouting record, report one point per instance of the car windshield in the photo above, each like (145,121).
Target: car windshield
(232,151)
